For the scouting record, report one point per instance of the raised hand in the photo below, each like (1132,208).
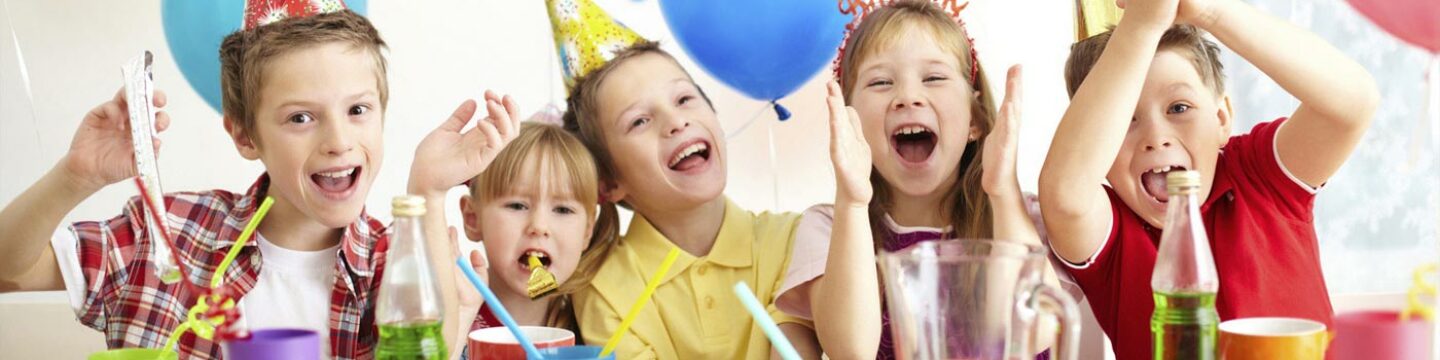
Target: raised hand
(1001,146)
(849,152)
(447,157)
(101,152)
(1155,14)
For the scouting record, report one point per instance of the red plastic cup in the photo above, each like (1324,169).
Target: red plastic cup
(497,343)
(1380,335)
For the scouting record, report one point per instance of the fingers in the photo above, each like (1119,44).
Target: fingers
(454,243)
(1014,96)
(488,125)
(478,262)
(1120,4)
(162,121)
(514,112)
(855,124)
(836,103)
(160,99)
(460,117)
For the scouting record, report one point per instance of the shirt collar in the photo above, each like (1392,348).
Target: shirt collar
(732,248)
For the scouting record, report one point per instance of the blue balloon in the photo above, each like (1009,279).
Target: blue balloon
(194,29)
(764,48)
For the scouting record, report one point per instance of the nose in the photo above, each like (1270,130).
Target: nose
(539,223)
(1155,135)
(338,139)
(908,98)
(675,123)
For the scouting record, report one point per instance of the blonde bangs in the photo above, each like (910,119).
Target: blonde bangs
(541,154)
(886,27)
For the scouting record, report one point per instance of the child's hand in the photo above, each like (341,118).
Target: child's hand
(998,178)
(1155,14)
(849,152)
(1200,13)
(101,152)
(469,296)
(448,157)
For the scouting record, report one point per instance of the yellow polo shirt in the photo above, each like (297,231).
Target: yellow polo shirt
(694,313)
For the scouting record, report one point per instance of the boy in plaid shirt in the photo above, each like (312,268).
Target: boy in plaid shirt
(306,97)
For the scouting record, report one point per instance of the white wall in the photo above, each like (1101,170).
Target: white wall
(445,51)
(442,53)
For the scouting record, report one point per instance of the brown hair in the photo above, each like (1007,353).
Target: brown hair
(1186,39)
(245,54)
(556,154)
(970,214)
(582,117)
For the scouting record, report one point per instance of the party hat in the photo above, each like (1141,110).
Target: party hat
(262,12)
(585,36)
(1094,17)
(860,9)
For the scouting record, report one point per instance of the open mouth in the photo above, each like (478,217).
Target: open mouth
(541,255)
(914,143)
(690,156)
(1153,181)
(336,181)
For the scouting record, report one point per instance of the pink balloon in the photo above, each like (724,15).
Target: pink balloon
(1414,21)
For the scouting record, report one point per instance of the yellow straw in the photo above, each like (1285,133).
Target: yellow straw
(640,303)
(240,242)
(200,305)
(1416,306)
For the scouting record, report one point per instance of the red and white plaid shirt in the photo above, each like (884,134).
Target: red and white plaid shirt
(124,299)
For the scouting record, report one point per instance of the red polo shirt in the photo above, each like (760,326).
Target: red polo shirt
(1262,233)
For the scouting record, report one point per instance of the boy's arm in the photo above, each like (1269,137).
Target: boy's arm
(1075,207)
(447,158)
(851,328)
(1337,96)
(100,154)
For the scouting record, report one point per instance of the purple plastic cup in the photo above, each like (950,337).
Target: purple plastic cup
(275,344)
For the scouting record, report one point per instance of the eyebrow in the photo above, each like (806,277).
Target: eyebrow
(620,118)
(350,98)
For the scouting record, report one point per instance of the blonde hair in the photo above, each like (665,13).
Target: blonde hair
(556,154)
(970,214)
(244,55)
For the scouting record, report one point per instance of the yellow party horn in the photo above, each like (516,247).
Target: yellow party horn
(1415,305)
(542,282)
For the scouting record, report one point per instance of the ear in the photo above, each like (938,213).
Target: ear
(243,142)
(470,217)
(613,193)
(1225,114)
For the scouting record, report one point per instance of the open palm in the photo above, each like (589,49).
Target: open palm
(101,152)
(849,152)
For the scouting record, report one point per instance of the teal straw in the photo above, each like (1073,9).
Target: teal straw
(499,309)
(762,318)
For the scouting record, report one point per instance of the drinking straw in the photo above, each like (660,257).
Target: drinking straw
(499,309)
(640,303)
(200,305)
(767,324)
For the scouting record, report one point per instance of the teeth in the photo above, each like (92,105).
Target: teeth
(1164,169)
(912,129)
(689,150)
(535,253)
(338,174)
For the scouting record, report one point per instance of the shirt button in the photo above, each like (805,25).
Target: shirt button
(702,270)
(709,303)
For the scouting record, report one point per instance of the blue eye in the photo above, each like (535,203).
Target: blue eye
(300,118)
(1177,109)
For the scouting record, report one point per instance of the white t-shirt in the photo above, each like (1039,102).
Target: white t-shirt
(292,291)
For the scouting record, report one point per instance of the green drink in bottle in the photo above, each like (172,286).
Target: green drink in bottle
(408,310)
(1184,283)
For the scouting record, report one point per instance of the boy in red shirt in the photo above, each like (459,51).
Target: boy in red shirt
(1147,98)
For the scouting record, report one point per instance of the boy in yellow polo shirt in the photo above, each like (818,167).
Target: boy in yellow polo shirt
(661,151)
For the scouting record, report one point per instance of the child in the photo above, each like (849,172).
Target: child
(539,198)
(916,89)
(1152,100)
(306,97)
(661,151)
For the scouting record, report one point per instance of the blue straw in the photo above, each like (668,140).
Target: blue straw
(499,309)
(762,318)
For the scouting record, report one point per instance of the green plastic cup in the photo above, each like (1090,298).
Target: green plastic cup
(134,354)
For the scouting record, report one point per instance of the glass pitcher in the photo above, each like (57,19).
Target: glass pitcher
(973,299)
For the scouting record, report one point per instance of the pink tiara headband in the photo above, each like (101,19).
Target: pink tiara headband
(860,9)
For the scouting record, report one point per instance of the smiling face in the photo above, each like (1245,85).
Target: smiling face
(318,130)
(1179,124)
(664,139)
(915,107)
(540,215)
